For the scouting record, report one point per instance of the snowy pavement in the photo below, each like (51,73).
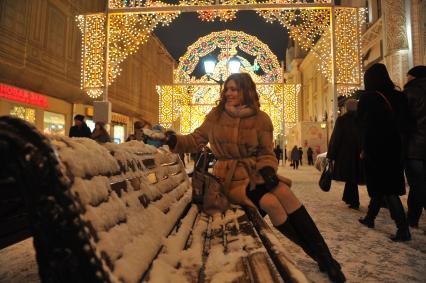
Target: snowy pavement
(366,255)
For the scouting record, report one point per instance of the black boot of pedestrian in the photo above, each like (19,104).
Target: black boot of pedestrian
(310,235)
(398,215)
(367,222)
(373,210)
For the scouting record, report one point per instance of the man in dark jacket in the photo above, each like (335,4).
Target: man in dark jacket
(80,129)
(344,149)
(415,166)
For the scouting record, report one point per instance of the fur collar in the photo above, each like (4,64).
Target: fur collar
(241,112)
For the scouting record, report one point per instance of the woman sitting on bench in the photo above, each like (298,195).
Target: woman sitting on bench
(240,136)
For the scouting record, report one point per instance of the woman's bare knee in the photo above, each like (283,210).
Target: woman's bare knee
(270,203)
(287,198)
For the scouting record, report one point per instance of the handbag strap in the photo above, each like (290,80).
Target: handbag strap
(202,158)
(386,100)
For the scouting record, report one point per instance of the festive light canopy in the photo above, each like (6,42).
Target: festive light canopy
(331,33)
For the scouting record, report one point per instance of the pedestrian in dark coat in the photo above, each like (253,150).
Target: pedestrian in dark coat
(415,164)
(278,153)
(80,128)
(382,112)
(344,149)
(310,154)
(300,155)
(295,157)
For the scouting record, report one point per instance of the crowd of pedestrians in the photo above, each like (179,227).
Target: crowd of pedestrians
(376,140)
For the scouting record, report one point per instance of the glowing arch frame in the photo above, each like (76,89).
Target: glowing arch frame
(227,40)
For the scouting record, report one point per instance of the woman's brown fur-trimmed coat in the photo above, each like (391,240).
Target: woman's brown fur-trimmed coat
(233,134)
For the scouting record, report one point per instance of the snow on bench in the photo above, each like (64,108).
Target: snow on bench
(123,213)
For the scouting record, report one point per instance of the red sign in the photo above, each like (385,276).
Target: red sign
(22,95)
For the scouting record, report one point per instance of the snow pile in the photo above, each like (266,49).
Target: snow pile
(127,224)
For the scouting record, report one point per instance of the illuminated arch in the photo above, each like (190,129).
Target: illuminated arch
(228,41)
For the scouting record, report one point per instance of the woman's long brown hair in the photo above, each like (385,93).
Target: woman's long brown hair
(246,87)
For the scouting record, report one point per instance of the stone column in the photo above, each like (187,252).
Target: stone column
(418,31)
(395,40)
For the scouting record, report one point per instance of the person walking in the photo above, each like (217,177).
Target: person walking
(80,128)
(240,136)
(382,112)
(295,157)
(344,149)
(415,163)
(278,153)
(100,134)
(310,154)
(300,155)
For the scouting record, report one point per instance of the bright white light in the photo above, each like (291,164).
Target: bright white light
(234,66)
(209,66)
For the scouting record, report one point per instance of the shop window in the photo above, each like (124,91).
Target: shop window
(25,113)
(54,123)
(119,134)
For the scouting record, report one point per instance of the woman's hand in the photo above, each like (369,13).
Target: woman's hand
(270,177)
(171,139)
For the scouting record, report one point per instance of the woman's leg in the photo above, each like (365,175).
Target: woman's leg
(286,197)
(272,206)
(301,229)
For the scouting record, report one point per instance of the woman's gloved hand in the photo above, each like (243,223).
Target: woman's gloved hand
(171,139)
(270,177)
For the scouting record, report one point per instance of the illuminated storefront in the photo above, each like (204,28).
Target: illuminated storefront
(50,115)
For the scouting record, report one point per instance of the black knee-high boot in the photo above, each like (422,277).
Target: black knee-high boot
(288,230)
(310,236)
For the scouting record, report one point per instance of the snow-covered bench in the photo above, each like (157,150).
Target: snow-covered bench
(123,213)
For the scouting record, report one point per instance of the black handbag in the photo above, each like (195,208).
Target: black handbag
(207,189)
(326,176)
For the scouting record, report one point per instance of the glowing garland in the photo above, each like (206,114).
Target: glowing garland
(127,32)
(114,4)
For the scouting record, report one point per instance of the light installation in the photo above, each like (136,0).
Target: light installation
(228,41)
(331,33)
(189,100)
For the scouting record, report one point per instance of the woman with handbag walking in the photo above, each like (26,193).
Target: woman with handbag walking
(343,150)
(382,114)
(241,137)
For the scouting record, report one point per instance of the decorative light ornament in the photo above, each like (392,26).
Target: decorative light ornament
(228,41)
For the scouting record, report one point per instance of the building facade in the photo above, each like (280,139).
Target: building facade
(395,35)
(40,60)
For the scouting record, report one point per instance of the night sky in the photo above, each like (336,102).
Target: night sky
(187,28)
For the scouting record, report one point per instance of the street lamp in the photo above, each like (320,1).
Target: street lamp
(209,66)
(234,66)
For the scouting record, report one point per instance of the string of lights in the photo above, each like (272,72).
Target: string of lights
(309,26)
